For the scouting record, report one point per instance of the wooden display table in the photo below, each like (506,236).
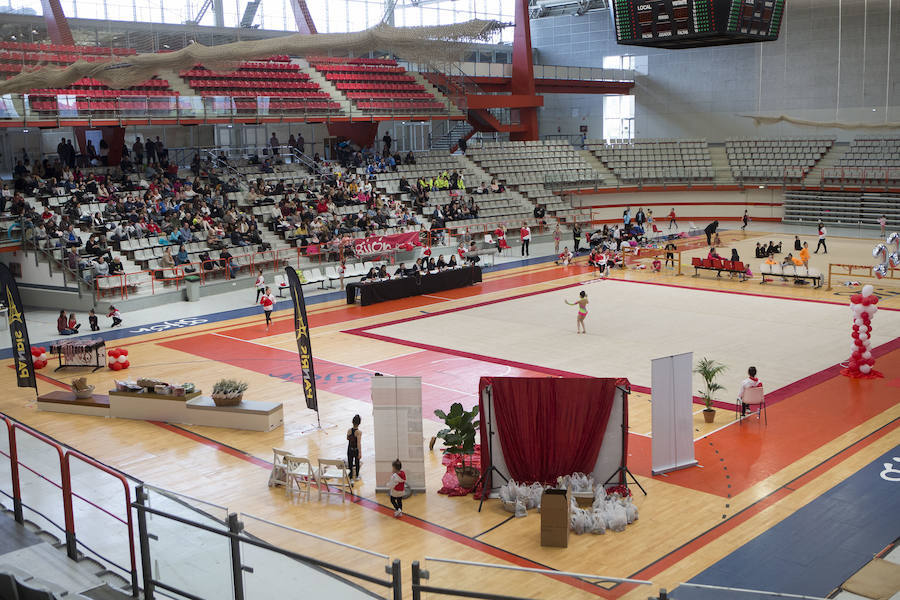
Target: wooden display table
(255,416)
(66,402)
(195,409)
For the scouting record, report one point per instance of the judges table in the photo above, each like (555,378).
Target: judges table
(371,292)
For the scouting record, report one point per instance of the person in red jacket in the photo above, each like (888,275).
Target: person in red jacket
(397,484)
(268,304)
(525,236)
(672,222)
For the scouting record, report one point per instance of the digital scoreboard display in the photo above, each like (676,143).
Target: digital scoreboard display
(694,23)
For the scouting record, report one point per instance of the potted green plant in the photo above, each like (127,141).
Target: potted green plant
(709,370)
(459,440)
(228,392)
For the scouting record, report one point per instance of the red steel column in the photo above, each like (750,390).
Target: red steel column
(523,73)
(57,25)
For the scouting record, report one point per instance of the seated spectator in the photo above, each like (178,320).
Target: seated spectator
(760,251)
(750,382)
(226,260)
(167,260)
(116,267)
(62,325)
(712,253)
(73,322)
(773,249)
(101,267)
(182,257)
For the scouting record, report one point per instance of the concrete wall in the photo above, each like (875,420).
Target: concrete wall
(697,206)
(836,60)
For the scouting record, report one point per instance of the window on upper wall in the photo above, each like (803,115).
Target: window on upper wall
(627,63)
(618,117)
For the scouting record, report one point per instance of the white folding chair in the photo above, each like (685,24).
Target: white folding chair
(279,474)
(332,274)
(332,473)
(281,284)
(756,397)
(300,471)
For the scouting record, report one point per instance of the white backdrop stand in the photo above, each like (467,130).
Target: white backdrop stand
(672,413)
(397,418)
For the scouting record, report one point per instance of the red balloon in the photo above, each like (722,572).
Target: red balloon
(854,364)
(874,299)
(869,361)
(125,364)
(867,300)
(40,364)
(856,298)
(35,352)
(115,366)
(856,355)
(41,349)
(123,352)
(855,334)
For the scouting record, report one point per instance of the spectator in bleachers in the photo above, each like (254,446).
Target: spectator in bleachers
(138,149)
(167,260)
(104,152)
(386,142)
(71,238)
(101,267)
(410,158)
(150,151)
(116,267)
(274,144)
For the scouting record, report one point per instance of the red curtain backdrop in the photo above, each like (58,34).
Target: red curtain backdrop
(548,426)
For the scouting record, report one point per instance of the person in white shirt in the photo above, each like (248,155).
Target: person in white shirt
(822,233)
(268,304)
(397,485)
(260,286)
(750,382)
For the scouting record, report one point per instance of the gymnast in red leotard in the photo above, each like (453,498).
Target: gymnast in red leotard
(582,303)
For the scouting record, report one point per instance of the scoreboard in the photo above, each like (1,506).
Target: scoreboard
(694,23)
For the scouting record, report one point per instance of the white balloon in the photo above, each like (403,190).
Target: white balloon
(867,290)
(122,358)
(857,309)
(867,355)
(872,309)
(863,329)
(43,356)
(864,369)
(857,321)
(863,336)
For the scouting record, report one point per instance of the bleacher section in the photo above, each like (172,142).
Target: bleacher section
(539,162)
(838,208)
(778,160)
(376,84)
(868,160)
(18,56)
(290,87)
(655,161)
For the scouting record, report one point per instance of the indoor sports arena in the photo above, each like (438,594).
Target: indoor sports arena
(289,291)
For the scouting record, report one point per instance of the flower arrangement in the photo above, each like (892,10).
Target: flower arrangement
(228,392)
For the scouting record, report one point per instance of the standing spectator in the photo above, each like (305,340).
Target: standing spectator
(386,140)
(576,236)
(709,231)
(138,149)
(274,143)
(268,304)
(161,152)
(115,315)
(556,238)
(104,153)
(70,154)
(672,222)
(745,220)
(150,151)
(301,144)
(822,233)
(626,217)
(62,151)
(260,285)
(525,235)
(883,223)
(354,447)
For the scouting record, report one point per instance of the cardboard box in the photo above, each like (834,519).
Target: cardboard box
(583,499)
(555,518)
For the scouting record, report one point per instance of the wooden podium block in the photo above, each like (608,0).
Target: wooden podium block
(255,416)
(147,407)
(66,402)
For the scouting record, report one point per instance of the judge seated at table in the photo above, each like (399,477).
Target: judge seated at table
(452,264)
(383,273)
(441,263)
(372,274)
(402,271)
(432,266)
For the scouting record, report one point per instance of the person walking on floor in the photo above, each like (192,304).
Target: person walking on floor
(525,235)
(672,222)
(260,285)
(354,448)
(397,484)
(745,220)
(268,304)
(822,233)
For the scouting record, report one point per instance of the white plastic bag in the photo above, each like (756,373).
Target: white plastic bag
(598,522)
(616,517)
(580,521)
(631,511)
(520,509)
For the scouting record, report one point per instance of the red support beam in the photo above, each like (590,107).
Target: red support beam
(57,25)
(303,17)
(523,73)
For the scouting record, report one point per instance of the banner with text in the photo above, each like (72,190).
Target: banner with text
(18,332)
(301,331)
(382,244)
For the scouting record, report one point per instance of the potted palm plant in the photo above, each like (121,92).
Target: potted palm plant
(709,370)
(459,440)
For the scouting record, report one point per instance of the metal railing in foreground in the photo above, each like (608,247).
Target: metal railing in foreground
(490,588)
(204,551)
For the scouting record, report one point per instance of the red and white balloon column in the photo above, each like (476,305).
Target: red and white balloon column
(117,359)
(862,309)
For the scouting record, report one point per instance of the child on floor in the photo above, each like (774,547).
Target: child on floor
(657,265)
(397,484)
(92,319)
(115,315)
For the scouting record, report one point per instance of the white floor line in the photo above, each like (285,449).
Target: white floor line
(436,297)
(439,387)
(734,421)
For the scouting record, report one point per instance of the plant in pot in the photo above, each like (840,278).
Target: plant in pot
(459,440)
(228,392)
(709,370)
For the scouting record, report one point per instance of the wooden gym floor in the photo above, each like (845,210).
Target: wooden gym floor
(822,427)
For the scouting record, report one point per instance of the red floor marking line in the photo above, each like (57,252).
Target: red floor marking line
(213,444)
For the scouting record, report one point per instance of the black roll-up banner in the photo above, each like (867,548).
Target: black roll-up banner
(301,331)
(18,331)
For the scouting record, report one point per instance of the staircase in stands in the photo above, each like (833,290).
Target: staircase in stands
(720,163)
(325,85)
(609,178)
(831,159)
